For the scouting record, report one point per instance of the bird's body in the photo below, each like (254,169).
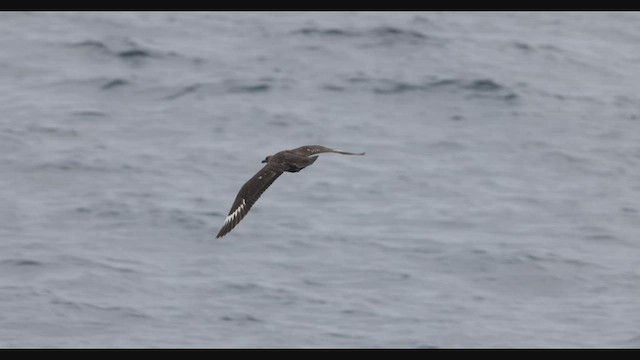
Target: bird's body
(292,160)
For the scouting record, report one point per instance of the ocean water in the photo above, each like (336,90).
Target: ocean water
(497,206)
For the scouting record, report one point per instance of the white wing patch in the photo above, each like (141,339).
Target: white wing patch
(233,215)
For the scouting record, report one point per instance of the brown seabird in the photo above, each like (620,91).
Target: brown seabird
(287,160)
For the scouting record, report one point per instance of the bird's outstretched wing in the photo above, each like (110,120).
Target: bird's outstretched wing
(249,194)
(308,150)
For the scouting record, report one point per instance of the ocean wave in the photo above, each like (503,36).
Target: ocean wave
(114,83)
(241,318)
(129,51)
(382,35)
(315,31)
(81,307)
(482,87)
(21,262)
(230,86)
(125,50)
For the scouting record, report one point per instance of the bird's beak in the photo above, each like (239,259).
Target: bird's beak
(263,161)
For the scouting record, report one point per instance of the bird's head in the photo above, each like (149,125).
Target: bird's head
(266,159)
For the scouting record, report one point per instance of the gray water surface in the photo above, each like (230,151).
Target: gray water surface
(497,205)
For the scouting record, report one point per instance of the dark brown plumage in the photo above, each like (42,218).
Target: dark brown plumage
(287,160)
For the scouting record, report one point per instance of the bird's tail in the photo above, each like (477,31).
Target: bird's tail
(345,152)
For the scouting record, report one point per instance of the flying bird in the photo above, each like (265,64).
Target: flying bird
(292,160)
